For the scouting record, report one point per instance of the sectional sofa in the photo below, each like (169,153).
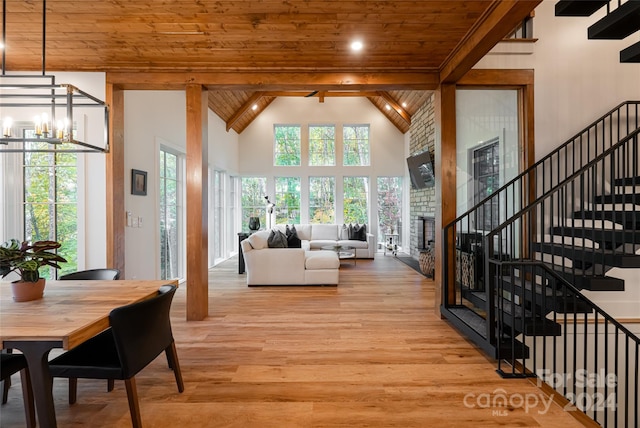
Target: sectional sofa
(308,265)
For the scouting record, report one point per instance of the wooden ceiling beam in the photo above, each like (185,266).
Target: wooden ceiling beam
(244,108)
(277,80)
(499,19)
(395,106)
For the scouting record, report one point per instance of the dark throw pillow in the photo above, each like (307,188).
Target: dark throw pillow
(360,232)
(293,241)
(277,239)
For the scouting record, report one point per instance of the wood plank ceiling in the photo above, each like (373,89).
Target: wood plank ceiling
(250,51)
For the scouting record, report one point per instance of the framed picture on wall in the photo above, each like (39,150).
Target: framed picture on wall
(138,182)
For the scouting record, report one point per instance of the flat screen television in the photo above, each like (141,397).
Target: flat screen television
(421,170)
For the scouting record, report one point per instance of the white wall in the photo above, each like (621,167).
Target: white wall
(576,81)
(153,118)
(387,144)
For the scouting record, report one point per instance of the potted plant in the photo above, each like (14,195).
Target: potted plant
(26,259)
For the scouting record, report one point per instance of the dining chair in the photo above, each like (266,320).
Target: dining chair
(139,332)
(9,365)
(92,274)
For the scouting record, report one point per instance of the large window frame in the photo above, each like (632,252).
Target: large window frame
(356,145)
(287,145)
(322,145)
(355,199)
(288,200)
(253,191)
(171,196)
(322,200)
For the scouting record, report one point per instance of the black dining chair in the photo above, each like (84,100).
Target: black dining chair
(9,365)
(92,274)
(138,334)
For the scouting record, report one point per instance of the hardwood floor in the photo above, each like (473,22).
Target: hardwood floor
(369,352)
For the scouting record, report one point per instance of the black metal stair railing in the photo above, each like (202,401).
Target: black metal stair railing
(465,300)
(542,322)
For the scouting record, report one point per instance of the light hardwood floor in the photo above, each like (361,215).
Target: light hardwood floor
(369,352)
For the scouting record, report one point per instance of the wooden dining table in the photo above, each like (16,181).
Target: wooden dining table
(69,313)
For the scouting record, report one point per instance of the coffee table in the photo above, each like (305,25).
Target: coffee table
(343,252)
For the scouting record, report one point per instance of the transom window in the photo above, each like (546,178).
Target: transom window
(356,145)
(322,145)
(287,145)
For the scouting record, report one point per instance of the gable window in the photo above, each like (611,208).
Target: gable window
(356,145)
(50,203)
(253,192)
(322,145)
(287,200)
(355,196)
(287,145)
(322,200)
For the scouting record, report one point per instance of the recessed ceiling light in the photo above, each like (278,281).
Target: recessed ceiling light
(388,107)
(404,105)
(356,46)
(1,45)
(255,107)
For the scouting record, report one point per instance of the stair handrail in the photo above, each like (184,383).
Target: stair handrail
(555,152)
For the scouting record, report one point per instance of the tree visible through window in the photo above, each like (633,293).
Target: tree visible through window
(169,216)
(322,206)
(322,145)
(50,203)
(356,145)
(287,200)
(355,196)
(287,145)
(253,192)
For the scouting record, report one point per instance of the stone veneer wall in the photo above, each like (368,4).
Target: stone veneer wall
(422,137)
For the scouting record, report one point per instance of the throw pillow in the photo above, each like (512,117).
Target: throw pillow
(293,241)
(277,239)
(360,232)
(352,231)
(344,232)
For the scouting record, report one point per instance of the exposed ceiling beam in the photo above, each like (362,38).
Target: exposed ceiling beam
(278,81)
(395,106)
(501,18)
(244,108)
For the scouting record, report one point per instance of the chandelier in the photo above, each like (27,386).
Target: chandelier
(39,115)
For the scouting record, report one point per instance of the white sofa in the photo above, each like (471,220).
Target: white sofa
(316,236)
(287,266)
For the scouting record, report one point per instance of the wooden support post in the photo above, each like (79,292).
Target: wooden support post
(115,181)
(196,179)
(445,166)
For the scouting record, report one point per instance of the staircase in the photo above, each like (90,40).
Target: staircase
(565,222)
(618,23)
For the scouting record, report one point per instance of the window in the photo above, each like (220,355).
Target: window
(390,206)
(355,196)
(356,145)
(322,145)
(218,215)
(254,190)
(287,200)
(50,203)
(287,145)
(170,215)
(322,207)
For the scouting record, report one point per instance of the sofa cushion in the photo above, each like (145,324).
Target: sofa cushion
(304,231)
(277,239)
(324,232)
(292,237)
(318,244)
(258,240)
(321,260)
(353,243)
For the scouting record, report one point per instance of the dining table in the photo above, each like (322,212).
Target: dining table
(69,313)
